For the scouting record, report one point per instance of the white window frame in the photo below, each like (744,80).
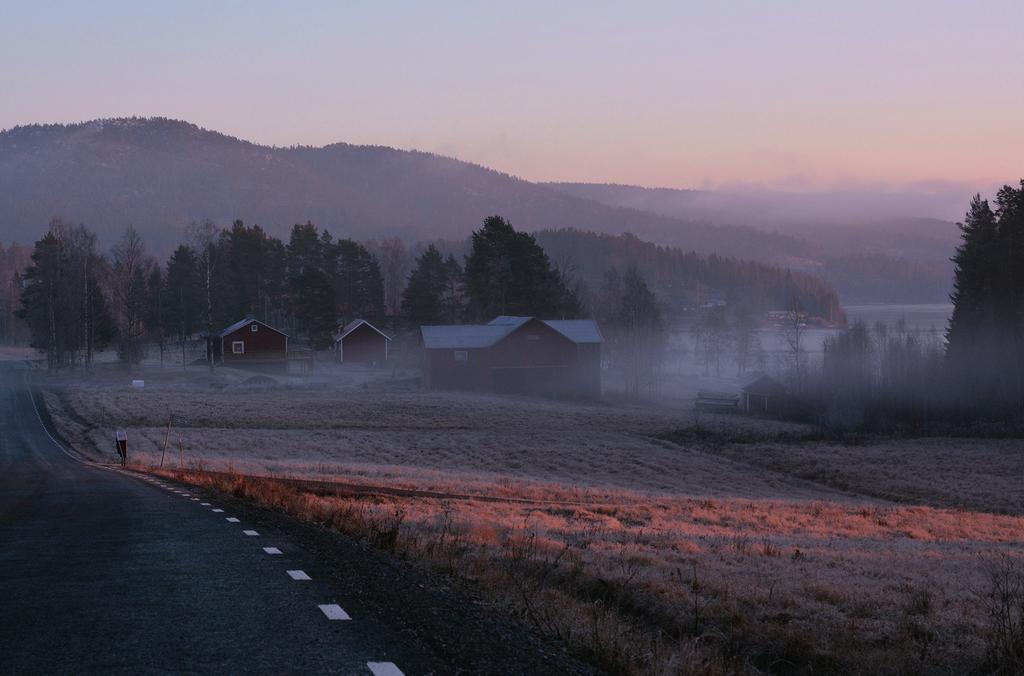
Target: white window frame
(254,327)
(460,355)
(237,347)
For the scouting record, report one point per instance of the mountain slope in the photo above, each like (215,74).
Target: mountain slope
(159,175)
(871,246)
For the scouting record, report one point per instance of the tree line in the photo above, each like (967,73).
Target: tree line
(14,258)
(685,280)
(986,331)
(77,300)
(886,378)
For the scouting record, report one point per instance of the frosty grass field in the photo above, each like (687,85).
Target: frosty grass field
(742,545)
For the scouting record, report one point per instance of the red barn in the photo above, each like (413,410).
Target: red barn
(516,355)
(360,342)
(252,343)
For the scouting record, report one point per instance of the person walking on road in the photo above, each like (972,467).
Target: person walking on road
(121,440)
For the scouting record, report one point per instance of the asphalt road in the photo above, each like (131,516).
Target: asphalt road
(107,572)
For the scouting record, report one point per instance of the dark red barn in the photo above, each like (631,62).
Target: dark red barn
(252,343)
(516,355)
(360,342)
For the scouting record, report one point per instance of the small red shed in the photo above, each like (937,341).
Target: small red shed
(252,343)
(360,342)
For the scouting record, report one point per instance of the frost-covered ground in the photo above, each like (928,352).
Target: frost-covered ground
(364,423)
(741,539)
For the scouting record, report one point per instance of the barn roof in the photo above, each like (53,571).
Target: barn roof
(485,335)
(355,324)
(245,322)
(463,335)
(508,320)
(576,330)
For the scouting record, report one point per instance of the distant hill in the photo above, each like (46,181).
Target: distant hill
(868,244)
(782,210)
(684,280)
(159,175)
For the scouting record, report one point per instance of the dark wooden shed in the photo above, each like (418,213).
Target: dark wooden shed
(253,344)
(515,355)
(763,395)
(360,342)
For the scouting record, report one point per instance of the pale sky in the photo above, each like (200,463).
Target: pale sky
(799,94)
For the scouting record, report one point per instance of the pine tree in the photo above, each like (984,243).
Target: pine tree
(1009,284)
(313,305)
(184,296)
(252,279)
(62,302)
(453,297)
(155,313)
(607,309)
(986,331)
(307,280)
(423,298)
(42,299)
(508,273)
(641,329)
(973,282)
(357,279)
(304,252)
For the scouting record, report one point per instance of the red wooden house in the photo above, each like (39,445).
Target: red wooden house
(517,355)
(251,343)
(360,342)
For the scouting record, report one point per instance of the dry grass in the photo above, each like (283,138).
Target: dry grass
(645,556)
(690,585)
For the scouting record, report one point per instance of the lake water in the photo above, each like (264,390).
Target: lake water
(923,317)
(929,318)
(685,373)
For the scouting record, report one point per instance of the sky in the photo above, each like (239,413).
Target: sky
(795,95)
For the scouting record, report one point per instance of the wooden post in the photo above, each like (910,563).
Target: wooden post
(181,451)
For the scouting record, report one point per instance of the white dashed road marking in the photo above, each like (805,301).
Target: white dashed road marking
(250,532)
(219,511)
(232,519)
(272,550)
(384,669)
(298,575)
(334,612)
(205,504)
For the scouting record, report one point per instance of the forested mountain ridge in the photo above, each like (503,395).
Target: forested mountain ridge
(159,175)
(683,280)
(872,246)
